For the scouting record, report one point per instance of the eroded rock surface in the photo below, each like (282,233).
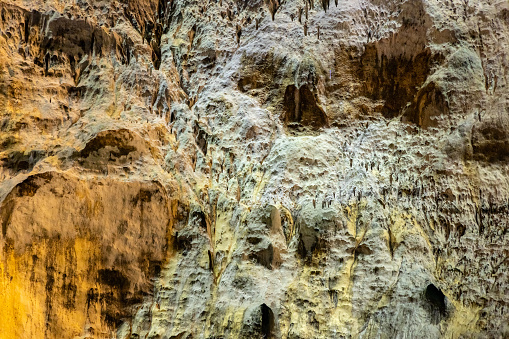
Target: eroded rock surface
(254,169)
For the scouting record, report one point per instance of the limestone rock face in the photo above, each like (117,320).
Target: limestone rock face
(254,169)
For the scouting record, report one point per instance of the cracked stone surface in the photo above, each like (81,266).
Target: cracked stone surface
(254,169)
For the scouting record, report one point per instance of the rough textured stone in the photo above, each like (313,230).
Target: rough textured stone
(254,169)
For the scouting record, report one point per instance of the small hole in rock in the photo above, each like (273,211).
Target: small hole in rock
(437,302)
(267,322)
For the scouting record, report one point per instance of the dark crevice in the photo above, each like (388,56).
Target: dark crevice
(393,79)
(46,63)
(156,46)
(264,256)
(154,268)
(20,161)
(490,141)
(113,278)
(307,245)
(201,140)
(273,5)
(301,108)
(127,53)
(325,5)
(30,185)
(148,21)
(118,139)
(183,242)
(6,214)
(211,263)
(27,29)
(427,104)
(68,38)
(268,322)
(436,300)
(199,218)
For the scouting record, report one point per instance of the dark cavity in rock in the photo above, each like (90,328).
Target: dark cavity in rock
(301,108)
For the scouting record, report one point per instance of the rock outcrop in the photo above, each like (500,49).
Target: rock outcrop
(254,169)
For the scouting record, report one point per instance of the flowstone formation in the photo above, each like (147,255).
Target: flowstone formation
(254,169)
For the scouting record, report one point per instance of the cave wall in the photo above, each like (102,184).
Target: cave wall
(254,169)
